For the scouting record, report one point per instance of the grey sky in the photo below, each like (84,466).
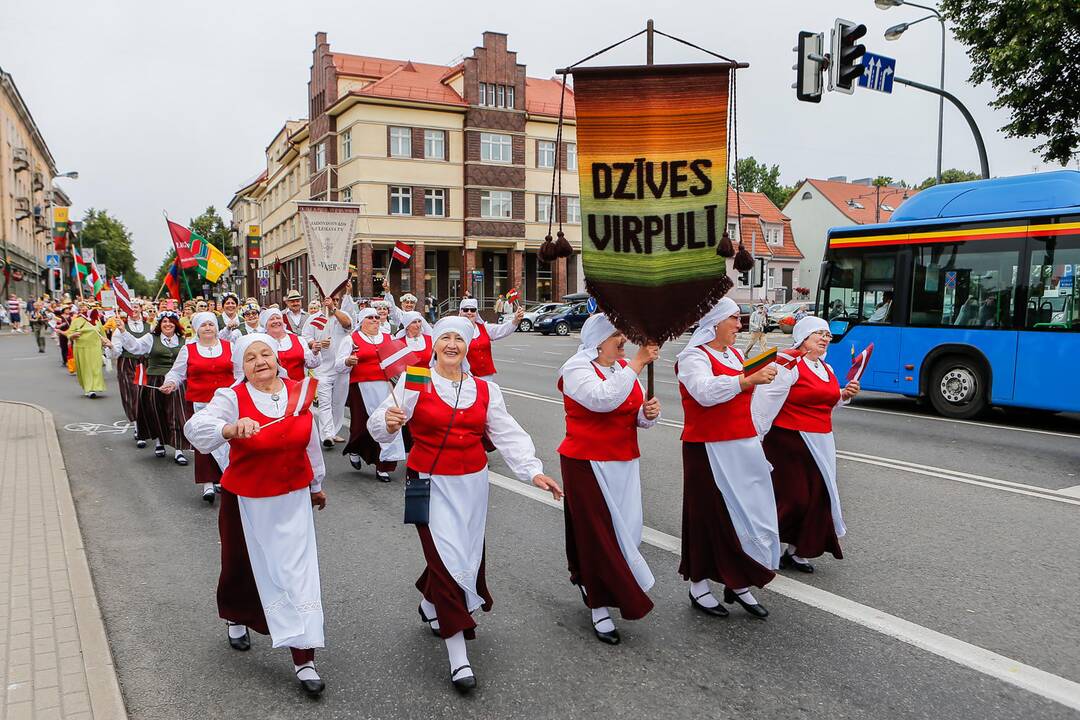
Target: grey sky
(170,106)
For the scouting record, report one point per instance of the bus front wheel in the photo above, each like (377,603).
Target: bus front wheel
(958,388)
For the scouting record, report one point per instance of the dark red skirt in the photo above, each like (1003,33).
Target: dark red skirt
(803,506)
(237,594)
(710,548)
(160,416)
(125,382)
(441,590)
(360,441)
(593,555)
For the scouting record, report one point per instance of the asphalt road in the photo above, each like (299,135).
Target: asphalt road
(986,563)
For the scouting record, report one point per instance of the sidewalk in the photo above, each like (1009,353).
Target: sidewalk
(54,656)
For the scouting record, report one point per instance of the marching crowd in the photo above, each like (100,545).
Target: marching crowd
(257,396)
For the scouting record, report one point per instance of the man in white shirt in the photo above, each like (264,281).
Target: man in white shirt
(327,330)
(295,316)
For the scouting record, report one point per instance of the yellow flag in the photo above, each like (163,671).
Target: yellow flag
(216,263)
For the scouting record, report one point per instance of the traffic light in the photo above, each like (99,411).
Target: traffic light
(744,277)
(809,64)
(845,66)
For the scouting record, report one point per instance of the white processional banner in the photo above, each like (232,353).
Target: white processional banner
(328,230)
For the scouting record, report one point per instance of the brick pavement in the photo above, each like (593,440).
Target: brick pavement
(54,656)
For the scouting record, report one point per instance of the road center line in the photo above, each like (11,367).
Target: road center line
(990,426)
(1047,685)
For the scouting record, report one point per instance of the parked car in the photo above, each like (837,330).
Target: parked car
(563,320)
(776,314)
(529,320)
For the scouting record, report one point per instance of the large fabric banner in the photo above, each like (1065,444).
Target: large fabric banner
(328,230)
(652,164)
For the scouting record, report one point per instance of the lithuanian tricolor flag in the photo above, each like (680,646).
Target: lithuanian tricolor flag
(418,379)
(757,362)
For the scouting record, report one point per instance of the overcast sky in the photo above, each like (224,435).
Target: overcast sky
(170,106)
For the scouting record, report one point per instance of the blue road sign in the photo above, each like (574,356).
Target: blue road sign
(950,279)
(590,305)
(52,261)
(878,72)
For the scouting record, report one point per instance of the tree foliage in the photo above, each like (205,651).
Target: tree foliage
(1028,50)
(759,177)
(111,242)
(952,175)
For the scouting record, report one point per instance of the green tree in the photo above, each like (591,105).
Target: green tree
(1027,49)
(111,242)
(952,175)
(759,177)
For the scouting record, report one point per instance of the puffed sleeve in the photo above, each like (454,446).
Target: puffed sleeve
(344,350)
(137,345)
(696,375)
(585,387)
(178,372)
(204,427)
(376,423)
(512,442)
(769,398)
(500,330)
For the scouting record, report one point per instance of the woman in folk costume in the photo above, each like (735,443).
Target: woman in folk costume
(416,336)
(269,579)
(729,512)
(447,426)
(127,363)
(794,413)
(327,330)
(202,366)
(605,405)
(368,387)
(161,413)
(88,338)
(382,307)
(480,349)
(294,355)
(408,304)
(251,322)
(230,320)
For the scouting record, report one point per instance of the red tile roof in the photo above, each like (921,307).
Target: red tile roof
(847,196)
(409,80)
(757,208)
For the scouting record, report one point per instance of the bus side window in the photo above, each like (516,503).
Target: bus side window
(1053,301)
(879,273)
(970,284)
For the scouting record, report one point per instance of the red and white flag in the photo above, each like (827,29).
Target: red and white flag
(318,321)
(513,295)
(300,401)
(123,295)
(859,362)
(394,357)
(140,375)
(787,358)
(402,252)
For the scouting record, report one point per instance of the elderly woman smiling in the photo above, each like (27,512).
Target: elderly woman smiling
(269,563)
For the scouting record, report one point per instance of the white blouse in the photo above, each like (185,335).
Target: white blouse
(696,375)
(768,399)
(312,359)
(497,331)
(333,331)
(143,345)
(512,442)
(178,373)
(585,387)
(204,427)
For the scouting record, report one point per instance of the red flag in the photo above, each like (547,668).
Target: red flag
(181,239)
(123,295)
(318,321)
(394,357)
(787,358)
(859,362)
(300,401)
(513,295)
(402,252)
(172,280)
(140,375)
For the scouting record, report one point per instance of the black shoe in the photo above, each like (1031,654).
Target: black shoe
(242,643)
(611,637)
(208,496)
(159,450)
(140,443)
(313,688)
(428,620)
(357,463)
(179,459)
(328,444)
(463,684)
(788,562)
(758,610)
(718,611)
(382,476)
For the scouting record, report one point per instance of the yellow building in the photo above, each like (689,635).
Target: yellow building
(27,170)
(455,160)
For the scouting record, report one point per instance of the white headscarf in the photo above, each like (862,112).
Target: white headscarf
(807,327)
(407,297)
(468,303)
(595,331)
(265,315)
(706,329)
(408,318)
(452,323)
(200,318)
(247,341)
(366,313)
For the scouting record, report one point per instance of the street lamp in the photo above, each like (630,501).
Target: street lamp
(896,31)
(74,175)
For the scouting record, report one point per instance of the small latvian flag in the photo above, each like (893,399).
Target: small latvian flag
(394,357)
(859,362)
(140,375)
(318,321)
(300,401)
(418,379)
(402,252)
(754,364)
(788,358)
(513,295)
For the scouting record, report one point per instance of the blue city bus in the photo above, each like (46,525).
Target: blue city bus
(968,294)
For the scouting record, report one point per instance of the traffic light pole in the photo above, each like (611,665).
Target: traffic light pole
(983,162)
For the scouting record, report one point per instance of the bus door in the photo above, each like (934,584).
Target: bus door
(1049,342)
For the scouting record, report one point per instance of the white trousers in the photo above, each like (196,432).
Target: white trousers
(332,393)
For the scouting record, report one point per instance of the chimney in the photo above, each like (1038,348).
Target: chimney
(838,178)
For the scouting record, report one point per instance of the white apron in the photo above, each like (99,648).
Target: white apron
(279,533)
(743,476)
(822,447)
(374,393)
(457,518)
(620,482)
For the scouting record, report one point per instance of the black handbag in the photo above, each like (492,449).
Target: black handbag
(418,487)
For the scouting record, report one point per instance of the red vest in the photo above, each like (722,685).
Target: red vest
(729,420)
(367,369)
(480,362)
(205,375)
(602,435)
(423,355)
(810,402)
(463,452)
(293,358)
(275,461)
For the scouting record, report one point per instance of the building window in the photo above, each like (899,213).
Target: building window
(346,195)
(483,94)
(545,154)
(495,147)
(573,210)
(400,200)
(400,142)
(501,90)
(807,195)
(772,278)
(733,231)
(435,202)
(320,156)
(435,144)
(496,204)
(509,96)
(543,208)
(774,234)
(346,145)
(571,156)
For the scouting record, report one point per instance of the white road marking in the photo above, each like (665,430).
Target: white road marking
(1073,491)
(1067,498)
(550,367)
(1027,677)
(990,426)
(549,352)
